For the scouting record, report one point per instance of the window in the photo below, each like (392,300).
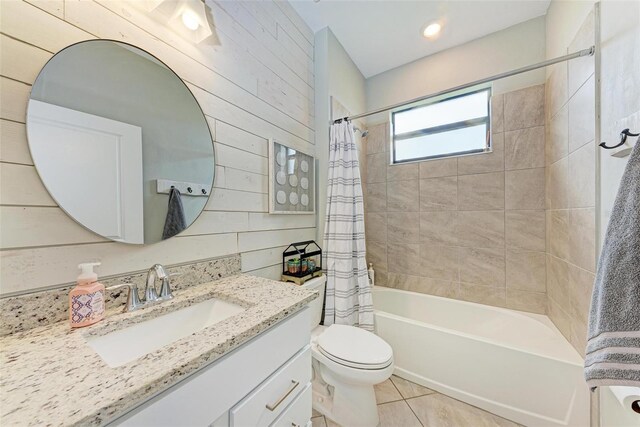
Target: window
(453,125)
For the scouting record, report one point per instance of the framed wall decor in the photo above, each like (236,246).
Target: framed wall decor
(291,180)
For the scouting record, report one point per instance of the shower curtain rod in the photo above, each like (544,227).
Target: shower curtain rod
(584,52)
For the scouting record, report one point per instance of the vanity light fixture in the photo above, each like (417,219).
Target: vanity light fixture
(432,30)
(188,18)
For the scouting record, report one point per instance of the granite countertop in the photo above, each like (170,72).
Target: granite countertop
(50,376)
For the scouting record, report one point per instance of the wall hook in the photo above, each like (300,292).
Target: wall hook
(623,138)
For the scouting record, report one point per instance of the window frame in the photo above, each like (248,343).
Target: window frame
(443,128)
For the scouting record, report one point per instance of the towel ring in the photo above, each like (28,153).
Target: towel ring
(623,138)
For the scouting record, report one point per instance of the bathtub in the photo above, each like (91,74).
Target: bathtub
(511,363)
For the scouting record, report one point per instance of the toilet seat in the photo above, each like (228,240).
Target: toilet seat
(354,347)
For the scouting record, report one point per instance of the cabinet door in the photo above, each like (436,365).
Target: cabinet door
(298,414)
(263,405)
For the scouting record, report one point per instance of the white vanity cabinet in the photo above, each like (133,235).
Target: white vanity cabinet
(266,381)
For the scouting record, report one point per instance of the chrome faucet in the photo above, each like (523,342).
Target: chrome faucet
(133,300)
(150,293)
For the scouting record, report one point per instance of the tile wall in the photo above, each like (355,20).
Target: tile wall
(571,189)
(470,228)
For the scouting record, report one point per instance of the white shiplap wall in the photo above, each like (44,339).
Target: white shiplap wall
(256,82)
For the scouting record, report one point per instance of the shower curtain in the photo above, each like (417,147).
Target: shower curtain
(348,295)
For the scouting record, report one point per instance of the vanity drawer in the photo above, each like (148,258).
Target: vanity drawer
(269,399)
(298,414)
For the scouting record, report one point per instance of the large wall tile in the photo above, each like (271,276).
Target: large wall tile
(482,266)
(559,318)
(402,172)
(582,177)
(439,194)
(524,148)
(481,192)
(526,271)
(378,138)
(481,229)
(375,197)
(377,254)
(403,227)
(556,89)
(578,338)
(557,184)
(403,258)
(581,287)
(558,233)
(533,302)
(557,144)
(484,162)
(403,196)
(377,167)
(439,262)
(582,234)
(481,294)
(376,226)
(425,285)
(524,108)
(558,287)
(525,229)
(439,228)
(582,116)
(497,113)
(440,167)
(524,189)
(580,69)
(444,220)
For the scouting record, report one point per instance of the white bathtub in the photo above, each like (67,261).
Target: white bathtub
(513,364)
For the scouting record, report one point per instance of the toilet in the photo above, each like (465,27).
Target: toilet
(347,363)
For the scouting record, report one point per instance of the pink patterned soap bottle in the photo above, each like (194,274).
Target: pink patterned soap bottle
(86,300)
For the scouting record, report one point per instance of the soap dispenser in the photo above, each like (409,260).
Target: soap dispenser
(86,300)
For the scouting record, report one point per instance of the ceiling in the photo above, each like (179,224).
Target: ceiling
(380,35)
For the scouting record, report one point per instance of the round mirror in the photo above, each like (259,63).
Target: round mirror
(120,142)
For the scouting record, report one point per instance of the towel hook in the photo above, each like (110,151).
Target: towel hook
(623,138)
(189,190)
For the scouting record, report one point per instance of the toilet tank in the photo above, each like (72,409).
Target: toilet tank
(317,284)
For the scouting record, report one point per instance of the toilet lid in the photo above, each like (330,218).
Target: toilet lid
(354,347)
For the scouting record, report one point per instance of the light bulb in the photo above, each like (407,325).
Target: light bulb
(190,20)
(432,30)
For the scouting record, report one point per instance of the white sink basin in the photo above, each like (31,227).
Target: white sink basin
(120,347)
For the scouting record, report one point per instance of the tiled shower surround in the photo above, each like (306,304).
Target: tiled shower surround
(571,190)
(470,228)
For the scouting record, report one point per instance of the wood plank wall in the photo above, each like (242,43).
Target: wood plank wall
(253,79)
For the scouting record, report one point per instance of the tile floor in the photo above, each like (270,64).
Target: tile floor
(402,403)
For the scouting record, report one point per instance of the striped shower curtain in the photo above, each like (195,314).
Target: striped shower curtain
(348,294)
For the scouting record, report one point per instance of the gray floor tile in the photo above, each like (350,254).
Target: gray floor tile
(437,410)
(397,414)
(318,422)
(408,389)
(386,392)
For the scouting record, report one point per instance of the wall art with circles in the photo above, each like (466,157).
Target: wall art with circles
(291,180)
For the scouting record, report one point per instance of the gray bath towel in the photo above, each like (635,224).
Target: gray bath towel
(175,221)
(613,347)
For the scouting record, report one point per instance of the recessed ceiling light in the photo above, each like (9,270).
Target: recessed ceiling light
(190,20)
(432,30)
